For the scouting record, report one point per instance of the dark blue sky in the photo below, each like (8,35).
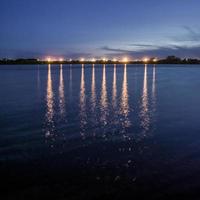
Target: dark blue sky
(95,28)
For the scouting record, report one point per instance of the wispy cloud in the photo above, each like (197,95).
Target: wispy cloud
(181,51)
(148,46)
(188,35)
(186,44)
(106,48)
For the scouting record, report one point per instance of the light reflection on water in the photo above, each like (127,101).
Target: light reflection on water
(137,118)
(50,105)
(144,114)
(114,89)
(93,101)
(61,93)
(125,100)
(93,90)
(102,108)
(83,116)
(104,100)
(154,82)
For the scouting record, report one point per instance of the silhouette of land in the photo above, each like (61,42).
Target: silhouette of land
(167,60)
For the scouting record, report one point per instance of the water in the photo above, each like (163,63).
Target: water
(102,131)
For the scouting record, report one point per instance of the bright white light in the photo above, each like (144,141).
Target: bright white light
(49,59)
(82,59)
(93,60)
(125,59)
(155,60)
(146,60)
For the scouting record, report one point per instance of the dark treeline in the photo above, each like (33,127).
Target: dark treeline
(176,60)
(168,60)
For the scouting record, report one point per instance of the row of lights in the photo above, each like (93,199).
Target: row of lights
(125,60)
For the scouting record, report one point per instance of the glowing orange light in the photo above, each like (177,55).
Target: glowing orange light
(104,59)
(49,59)
(125,59)
(155,60)
(146,60)
(82,59)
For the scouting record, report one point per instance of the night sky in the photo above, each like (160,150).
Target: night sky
(96,28)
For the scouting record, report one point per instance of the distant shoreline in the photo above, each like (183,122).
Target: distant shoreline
(94,63)
(168,60)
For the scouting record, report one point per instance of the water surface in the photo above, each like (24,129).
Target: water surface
(99,131)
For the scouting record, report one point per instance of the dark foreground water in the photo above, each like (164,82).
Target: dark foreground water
(99,132)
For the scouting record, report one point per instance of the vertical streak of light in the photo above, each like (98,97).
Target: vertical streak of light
(82,102)
(104,103)
(125,99)
(114,91)
(145,121)
(61,92)
(93,89)
(50,102)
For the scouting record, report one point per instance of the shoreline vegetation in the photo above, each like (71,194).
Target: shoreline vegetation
(168,60)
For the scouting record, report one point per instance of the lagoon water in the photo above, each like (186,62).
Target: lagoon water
(101,131)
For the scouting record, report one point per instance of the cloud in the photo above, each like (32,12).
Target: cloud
(106,48)
(186,44)
(189,35)
(149,46)
(159,51)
